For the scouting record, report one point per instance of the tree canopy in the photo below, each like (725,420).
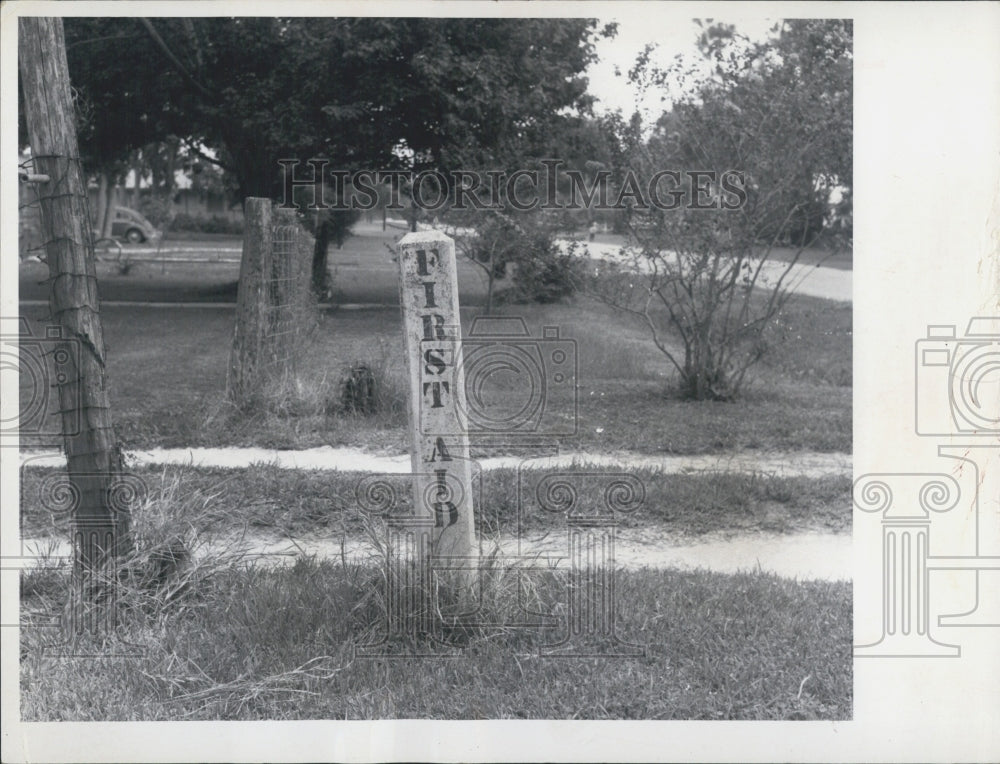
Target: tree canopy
(778,109)
(359,91)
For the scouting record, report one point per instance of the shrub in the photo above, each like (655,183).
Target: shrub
(157,211)
(203,224)
(359,390)
(373,387)
(545,275)
(524,246)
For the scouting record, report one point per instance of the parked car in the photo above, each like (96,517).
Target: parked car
(133,227)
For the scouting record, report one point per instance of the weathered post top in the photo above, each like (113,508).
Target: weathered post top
(439,435)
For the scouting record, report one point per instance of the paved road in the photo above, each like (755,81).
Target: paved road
(829,282)
(811,280)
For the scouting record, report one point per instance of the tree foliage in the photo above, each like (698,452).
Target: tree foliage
(121,97)
(364,93)
(354,90)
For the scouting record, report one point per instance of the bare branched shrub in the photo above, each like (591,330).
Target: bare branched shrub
(759,147)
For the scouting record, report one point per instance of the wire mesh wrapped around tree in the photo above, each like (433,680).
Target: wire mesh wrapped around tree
(276,312)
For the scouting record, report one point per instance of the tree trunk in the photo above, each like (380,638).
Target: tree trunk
(413,215)
(170,182)
(320,283)
(100,529)
(137,176)
(102,204)
(491,277)
(248,361)
(110,206)
(155,171)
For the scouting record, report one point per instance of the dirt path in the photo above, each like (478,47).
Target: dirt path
(801,555)
(824,556)
(803,463)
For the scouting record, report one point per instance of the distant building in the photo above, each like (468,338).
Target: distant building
(194,202)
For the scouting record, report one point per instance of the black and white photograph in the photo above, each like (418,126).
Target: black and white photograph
(432,381)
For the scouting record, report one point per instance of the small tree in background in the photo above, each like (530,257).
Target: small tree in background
(525,247)
(703,277)
(487,246)
(327,226)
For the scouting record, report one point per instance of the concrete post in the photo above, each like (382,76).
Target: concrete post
(432,336)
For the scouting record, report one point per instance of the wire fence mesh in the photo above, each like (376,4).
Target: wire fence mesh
(276,312)
(291,310)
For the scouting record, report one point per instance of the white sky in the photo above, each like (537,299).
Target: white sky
(655,24)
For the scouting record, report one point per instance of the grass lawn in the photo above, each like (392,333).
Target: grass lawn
(230,638)
(225,637)
(279,643)
(167,371)
(225,501)
(167,368)
(362,271)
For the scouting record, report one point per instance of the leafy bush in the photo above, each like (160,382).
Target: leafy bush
(544,275)
(204,224)
(524,247)
(157,211)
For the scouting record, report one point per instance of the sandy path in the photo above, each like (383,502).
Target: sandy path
(800,555)
(824,556)
(805,463)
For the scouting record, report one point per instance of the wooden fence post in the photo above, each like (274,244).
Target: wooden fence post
(92,455)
